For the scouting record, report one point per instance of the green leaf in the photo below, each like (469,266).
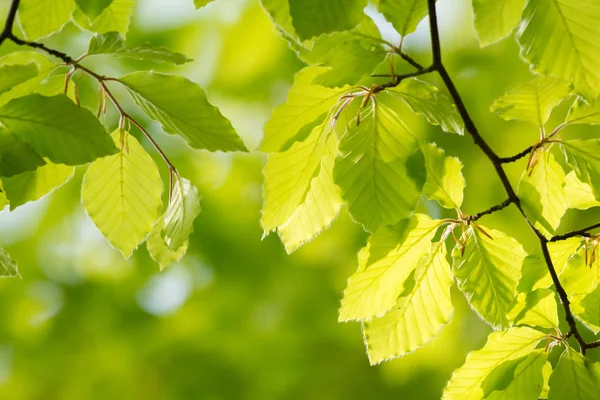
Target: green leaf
(321,201)
(405,15)
(373,169)
(501,347)
(562,38)
(306,106)
(542,193)
(8,267)
(57,128)
(526,382)
(122,195)
(574,378)
(589,310)
(41,18)
(93,8)
(279,12)
(32,185)
(16,156)
(418,315)
(3,200)
(184,207)
(13,75)
(533,101)
(391,255)
(584,157)
(488,273)
(445,182)
(114,18)
(41,83)
(201,3)
(580,275)
(579,195)
(112,43)
(582,112)
(424,99)
(288,176)
(546,372)
(158,249)
(182,108)
(536,309)
(496,19)
(313,17)
(352,55)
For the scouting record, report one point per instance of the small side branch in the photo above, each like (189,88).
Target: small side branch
(490,210)
(580,232)
(524,153)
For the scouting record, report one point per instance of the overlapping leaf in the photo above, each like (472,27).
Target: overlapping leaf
(13,75)
(158,249)
(501,347)
(574,377)
(182,108)
(496,19)
(579,195)
(418,315)
(537,309)
(8,267)
(562,38)
(391,255)
(526,382)
(533,101)
(445,182)
(488,273)
(405,15)
(57,128)
(16,156)
(32,185)
(311,18)
(184,207)
(40,18)
(373,169)
(584,157)
(306,106)
(114,18)
(122,195)
(93,8)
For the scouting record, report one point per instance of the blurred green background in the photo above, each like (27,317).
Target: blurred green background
(237,318)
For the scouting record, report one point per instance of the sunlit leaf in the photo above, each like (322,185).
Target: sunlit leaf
(542,193)
(488,273)
(418,316)
(93,8)
(114,18)
(562,38)
(536,309)
(584,157)
(8,267)
(583,113)
(112,43)
(527,380)
(445,182)
(33,185)
(40,18)
(13,75)
(496,19)
(313,17)
(391,255)
(426,100)
(533,101)
(590,303)
(122,195)
(158,249)
(201,3)
(501,347)
(579,195)
(182,108)
(57,128)
(405,15)
(184,207)
(321,204)
(575,377)
(373,169)
(306,106)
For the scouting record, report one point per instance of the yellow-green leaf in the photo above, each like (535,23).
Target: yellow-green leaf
(405,15)
(114,18)
(574,378)
(582,112)
(496,19)
(40,18)
(158,249)
(393,253)
(536,309)
(526,382)
(579,195)
(122,195)
(418,315)
(445,182)
(8,267)
(184,207)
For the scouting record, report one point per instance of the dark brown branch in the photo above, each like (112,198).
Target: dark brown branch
(506,160)
(10,21)
(579,232)
(497,163)
(410,60)
(400,78)
(490,210)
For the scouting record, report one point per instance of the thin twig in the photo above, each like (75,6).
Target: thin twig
(579,232)
(490,210)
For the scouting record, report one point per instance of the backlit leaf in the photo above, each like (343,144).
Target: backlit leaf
(445,182)
(158,249)
(583,113)
(488,273)
(184,207)
(526,382)
(13,75)
(313,17)
(536,309)
(114,18)
(579,195)
(93,8)
(8,267)
(584,157)
(418,315)
(405,15)
(182,108)
(40,18)
(496,19)
(575,377)
(122,195)
(16,156)
(391,255)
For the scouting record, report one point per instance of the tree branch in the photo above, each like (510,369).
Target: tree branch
(497,163)
(579,232)
(10,21)
(506,160)
(490,210)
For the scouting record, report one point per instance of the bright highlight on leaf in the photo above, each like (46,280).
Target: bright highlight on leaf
(122,195)
(584,157)
(488,273)
(391,255)
(445,182)
(184,207)
(579,195)
(41,18)
(418,315)
(496,19)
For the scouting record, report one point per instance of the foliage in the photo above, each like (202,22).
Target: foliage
(346,135)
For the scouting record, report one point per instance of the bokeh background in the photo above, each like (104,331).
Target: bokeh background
(237,318)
